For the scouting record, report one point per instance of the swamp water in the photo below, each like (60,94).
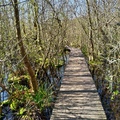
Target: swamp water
(101,89)
(9,115)
(105,98)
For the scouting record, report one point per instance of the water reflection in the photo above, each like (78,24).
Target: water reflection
(8,115)
(4,94)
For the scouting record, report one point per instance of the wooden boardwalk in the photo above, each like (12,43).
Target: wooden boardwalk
(78,98)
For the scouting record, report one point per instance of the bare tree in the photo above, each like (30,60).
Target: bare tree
(33,81)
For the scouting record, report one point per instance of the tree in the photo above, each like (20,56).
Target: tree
(33,81)
(90,29)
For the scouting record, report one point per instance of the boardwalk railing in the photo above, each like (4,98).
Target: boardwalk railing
(78,98)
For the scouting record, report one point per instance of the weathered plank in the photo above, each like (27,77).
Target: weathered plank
(78,98)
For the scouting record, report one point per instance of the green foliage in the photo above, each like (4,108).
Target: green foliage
(114,94)
(17,78)
(22,111)
(26,117)
(43,97)
(95,66)
(22,100)
(60,63)
(6,102)
(18,101)
(84,50)
(56,62)
(14,79)
(95,63)
(14,104)
(18,98)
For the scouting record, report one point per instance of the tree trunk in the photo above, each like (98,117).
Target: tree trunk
(91,28)
(33,81)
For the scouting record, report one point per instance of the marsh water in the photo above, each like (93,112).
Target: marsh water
(9,115)
(105,98)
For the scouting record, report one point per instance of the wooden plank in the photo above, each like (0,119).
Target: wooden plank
(78,98)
